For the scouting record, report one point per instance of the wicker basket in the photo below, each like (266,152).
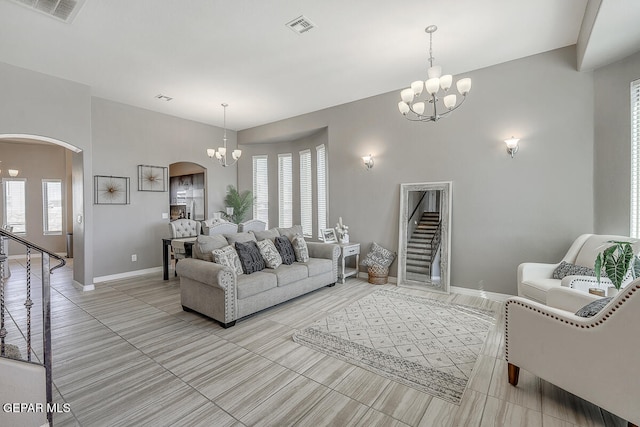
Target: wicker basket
(378,275)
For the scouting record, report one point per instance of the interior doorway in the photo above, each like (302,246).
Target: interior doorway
(187,191)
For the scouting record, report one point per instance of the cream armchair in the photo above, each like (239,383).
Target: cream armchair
(252,225)
(535,279)
(182,230)
(594,358)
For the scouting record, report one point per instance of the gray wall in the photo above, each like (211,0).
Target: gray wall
(245,173)
(612,163)
(36,104)
(35,163)
(504,211)
(125,137)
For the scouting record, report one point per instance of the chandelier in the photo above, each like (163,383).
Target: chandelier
(221,154)
(414,109)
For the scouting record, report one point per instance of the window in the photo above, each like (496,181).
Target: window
(52,206)
(321,165)
(261,189)
(285,190)
(14,204)
(635,159)
(306,194)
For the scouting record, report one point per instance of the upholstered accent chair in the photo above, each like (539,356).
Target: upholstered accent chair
(252,225)
(594,358)
(535,279)
(214,226)
(182,230)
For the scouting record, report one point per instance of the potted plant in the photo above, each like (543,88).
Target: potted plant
(241,202)
(616,261)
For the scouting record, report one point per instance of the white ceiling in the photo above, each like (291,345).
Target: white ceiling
(206,52)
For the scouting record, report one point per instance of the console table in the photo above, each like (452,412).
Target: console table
(166,244)
(346,250)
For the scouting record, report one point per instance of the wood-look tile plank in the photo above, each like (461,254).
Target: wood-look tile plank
(336,410)
(375,418)
(527,393)
(403,403)
(565,406)
(499,413)
(363,386)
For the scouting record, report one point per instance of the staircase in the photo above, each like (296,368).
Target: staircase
(419,251)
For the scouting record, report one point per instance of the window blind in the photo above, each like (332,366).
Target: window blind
(306,194)
(321,172)
(14,208)
(635,159)
(285,190)
(52,206)
(261,189)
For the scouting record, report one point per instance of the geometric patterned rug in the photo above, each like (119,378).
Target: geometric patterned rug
(427,344)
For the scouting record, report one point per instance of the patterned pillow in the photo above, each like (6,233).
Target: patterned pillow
(593,307)
(290,232)
(300,248)
(204,245)
(379,256)
(568,269)
(250,257)
(284,247)
(228,257)
(272,258)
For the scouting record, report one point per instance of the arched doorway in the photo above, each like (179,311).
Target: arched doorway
(187,191)
(18,149)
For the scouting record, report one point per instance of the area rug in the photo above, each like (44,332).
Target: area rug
(427,344)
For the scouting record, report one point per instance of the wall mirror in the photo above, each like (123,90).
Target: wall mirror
(424,246)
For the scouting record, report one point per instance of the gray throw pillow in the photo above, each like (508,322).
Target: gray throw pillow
(228,257)
(291,231)
(568,269)
(593,307)
(300,248)
(270,254)
(240,237)
(205,244)
(379,256)
(266,234)
(284,247)
(250,257)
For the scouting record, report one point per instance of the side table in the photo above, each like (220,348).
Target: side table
(346,250)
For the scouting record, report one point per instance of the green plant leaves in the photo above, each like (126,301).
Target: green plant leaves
(241,202)
(616,261)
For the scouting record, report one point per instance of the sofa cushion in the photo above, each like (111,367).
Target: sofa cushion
(228,257)
(536,289)
(270,254)
(568,269)
(317,266)
(379,256)
(284,247)
(290,232)
(249,285)
(289,274)
(240,237)
(204,245)
(250,257)
(300,248)
(266,234)
(593,307)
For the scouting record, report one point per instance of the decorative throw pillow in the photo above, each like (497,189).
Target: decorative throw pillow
(240,237)
(270,254)
(568,269)
(228,257)
(379,256)
(290,232)
(284,247)
(593,307)
(205,244)
(250,257)
(266,234)
(300,248)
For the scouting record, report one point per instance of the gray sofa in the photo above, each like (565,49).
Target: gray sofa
(217,292)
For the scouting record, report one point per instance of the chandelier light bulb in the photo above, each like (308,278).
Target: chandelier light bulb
(413,108)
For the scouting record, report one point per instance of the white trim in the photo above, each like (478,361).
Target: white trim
(126,275)
(82,287)
(41,138)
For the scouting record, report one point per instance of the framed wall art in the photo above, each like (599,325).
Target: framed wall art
(111,190)
(152,178)
(328,235)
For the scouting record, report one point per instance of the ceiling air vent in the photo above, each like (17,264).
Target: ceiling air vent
(63,10)
(300,25)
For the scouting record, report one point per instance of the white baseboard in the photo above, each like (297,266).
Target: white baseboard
(82,287)
(494,296)
(127,275)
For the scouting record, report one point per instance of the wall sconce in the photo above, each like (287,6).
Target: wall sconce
(13,172)
(368,161)
(512,145)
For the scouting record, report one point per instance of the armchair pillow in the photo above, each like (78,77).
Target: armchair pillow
(270,254)
(250,257)
(568,269)
(379,256)
(300,248)
(284,247)
(228,257)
